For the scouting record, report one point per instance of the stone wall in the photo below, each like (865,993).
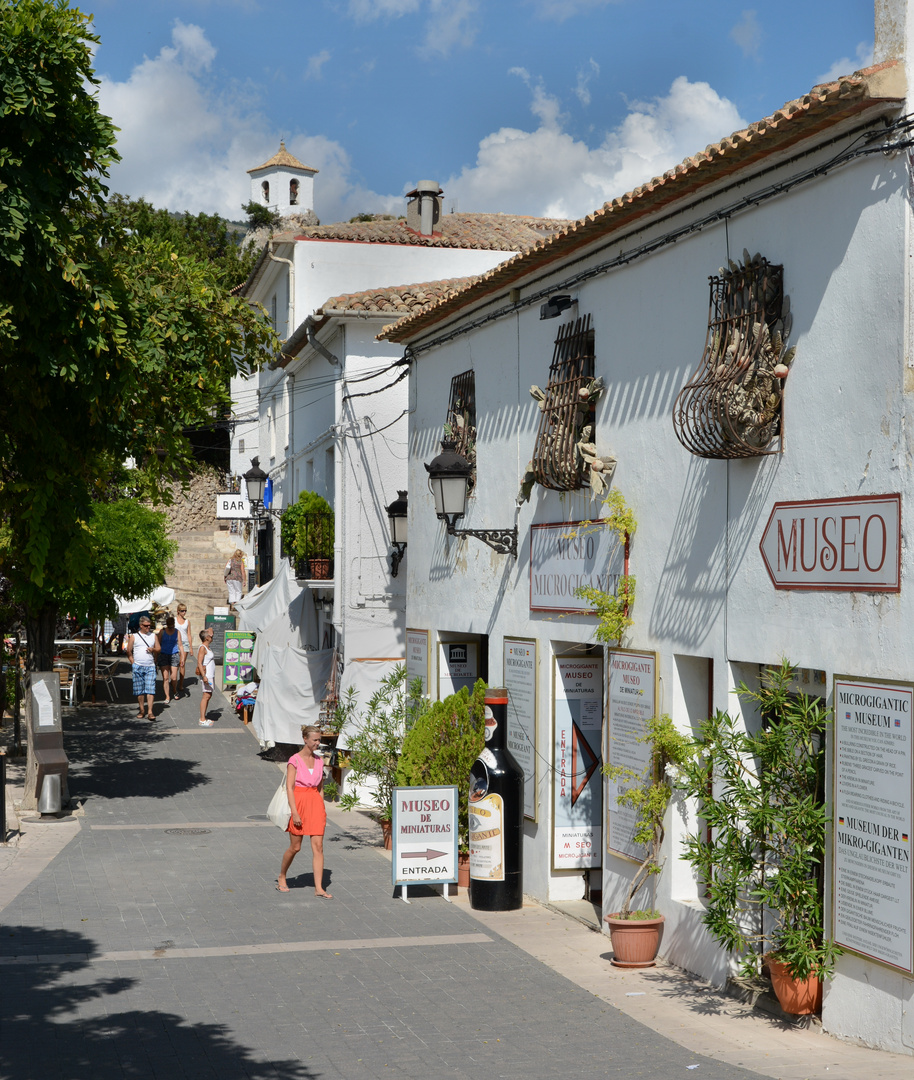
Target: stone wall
(195,507)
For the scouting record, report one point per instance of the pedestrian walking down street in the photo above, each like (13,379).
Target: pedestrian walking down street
(304,790)
(183,624)
(170,654)
(206,672)
(234,576)
(142,647)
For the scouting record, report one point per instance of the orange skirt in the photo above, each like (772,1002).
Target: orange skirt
(310,805)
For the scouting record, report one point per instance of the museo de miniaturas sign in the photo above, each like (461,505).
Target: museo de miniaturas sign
(567,555)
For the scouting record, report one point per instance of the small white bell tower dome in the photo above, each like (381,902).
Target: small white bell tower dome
(284,184)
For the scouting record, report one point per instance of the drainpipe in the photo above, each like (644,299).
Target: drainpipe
(290,325)
(339,499)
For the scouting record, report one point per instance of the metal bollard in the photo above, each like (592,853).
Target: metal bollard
(49,802)
(2,796)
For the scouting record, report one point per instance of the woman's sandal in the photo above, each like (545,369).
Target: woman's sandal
(206,723)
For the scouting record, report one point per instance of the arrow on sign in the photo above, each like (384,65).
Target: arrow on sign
(428,854)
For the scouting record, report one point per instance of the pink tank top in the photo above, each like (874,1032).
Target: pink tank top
(305,777)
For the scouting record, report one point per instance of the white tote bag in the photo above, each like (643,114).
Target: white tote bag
(278,811)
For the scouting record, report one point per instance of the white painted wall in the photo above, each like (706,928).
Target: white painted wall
(703,592)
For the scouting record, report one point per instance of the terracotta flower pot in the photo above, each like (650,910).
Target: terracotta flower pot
(387,829)
(463,871)
(636,942)
(795,997)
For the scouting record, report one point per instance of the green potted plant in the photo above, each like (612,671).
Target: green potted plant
(372,753)
(443,742)
(308,535)
(636,933)
(761,848)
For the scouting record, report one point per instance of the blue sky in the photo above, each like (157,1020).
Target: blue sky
(522,106)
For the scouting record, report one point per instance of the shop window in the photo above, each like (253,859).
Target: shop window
(731,407)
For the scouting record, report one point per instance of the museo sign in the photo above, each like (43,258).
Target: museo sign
(851,544)
(566,555)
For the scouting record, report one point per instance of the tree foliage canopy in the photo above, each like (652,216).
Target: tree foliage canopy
(207,238)
(130,551)
(111,343)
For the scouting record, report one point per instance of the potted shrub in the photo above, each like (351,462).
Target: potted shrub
(762,795)
(443,742)
(636,933)
(308,535)
(372,751)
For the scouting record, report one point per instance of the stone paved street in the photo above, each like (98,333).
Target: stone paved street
(154,943)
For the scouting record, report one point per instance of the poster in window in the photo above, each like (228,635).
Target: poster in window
(632,700)
(577,779)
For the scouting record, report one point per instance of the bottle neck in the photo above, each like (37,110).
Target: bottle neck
(496,722)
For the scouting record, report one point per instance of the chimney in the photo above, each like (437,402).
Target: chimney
(424,207)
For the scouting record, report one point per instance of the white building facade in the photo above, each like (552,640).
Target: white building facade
(332,409)
(818,190)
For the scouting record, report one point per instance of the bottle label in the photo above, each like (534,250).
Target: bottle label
(487,839)
(486,755)
(490,723)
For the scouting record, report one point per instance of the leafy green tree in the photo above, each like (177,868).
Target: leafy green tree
(112,345)
(207,238)
(259,215)
(130,554)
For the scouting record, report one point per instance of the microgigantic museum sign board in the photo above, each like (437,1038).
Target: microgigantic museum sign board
(568,555)
(871,827)
(424,835)
(632,695)
(458,666)
(520,679)
(417,657)
(848,545)
(577,795)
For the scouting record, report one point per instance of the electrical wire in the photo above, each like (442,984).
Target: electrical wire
(903,125)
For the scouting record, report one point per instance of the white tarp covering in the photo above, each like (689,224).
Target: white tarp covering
(262,605)
(163,596)
(293,677)
(364,676)
(292,683)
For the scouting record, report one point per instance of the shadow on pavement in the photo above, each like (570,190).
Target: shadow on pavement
(47,1032)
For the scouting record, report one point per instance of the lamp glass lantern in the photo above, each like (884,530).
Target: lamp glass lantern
(449,476)
(255,480)
(397,517)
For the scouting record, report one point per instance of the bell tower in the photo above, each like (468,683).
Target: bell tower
(284,184)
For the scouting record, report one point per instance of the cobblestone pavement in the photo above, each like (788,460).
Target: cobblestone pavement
(146,938)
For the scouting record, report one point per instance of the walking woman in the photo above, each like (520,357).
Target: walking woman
(169,656)
(142,646)
(184,632)
(233,576)
(206,672)
(304,787)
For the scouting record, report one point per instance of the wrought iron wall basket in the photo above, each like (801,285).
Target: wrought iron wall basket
(731,407)
(566,413)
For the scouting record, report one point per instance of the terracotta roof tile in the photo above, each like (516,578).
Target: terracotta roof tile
(283,157)
(824,106)
(490,232)
(394,299)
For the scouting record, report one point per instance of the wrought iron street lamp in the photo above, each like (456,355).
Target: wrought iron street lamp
(449,476)
(255,480)
(396,515)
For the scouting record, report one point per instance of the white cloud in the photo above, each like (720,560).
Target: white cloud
(447,24)
(184,147)
(748,34)
(314,69)
(845,66)
(560,10)
(368,10)
(549,172)
(582,90)
(450,25)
